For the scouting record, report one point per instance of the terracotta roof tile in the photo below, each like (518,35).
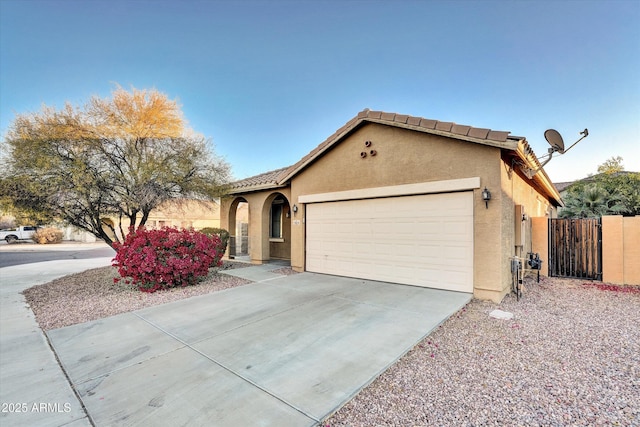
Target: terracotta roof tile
(363,113)
(453,128)
(415,121)
(266,178)
(445,126)
(479,133)
(460,129)
(498,135)
(429,124)
(401,118)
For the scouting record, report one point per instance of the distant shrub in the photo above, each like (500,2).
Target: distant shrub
(221,233)
(166,258)
(47,235)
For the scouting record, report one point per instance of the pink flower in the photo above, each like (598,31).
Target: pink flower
(160,259)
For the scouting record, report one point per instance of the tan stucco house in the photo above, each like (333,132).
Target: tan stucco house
(399,198)
(179,213)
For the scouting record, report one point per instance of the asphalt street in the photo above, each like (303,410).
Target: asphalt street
(27,253)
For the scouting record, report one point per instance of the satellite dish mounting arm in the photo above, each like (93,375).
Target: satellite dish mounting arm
(557,146)
(584,133)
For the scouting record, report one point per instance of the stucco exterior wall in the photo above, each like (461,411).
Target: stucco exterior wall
(405,157)
(540,241)
(259,203)
(517,190)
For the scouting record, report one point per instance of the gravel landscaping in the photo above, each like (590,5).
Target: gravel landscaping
(570,355)
(92,295)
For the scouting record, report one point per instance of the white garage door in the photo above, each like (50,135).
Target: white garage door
(424,240)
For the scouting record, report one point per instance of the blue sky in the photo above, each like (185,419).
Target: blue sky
(269,80)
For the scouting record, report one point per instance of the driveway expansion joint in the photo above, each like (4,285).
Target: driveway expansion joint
(66,376)
(230,370)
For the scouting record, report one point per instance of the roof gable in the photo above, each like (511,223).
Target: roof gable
(500,139)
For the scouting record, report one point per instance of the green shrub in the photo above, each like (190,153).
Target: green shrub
(221,233)
(47,235)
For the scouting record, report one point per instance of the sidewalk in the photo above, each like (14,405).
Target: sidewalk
(33,389)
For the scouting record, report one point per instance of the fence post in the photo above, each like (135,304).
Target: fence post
(631,230)
(612,250)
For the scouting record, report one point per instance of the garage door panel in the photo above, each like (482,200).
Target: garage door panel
(403,227)
(425,251)
(401,251)
(424,240)
(362,228)
(458,254)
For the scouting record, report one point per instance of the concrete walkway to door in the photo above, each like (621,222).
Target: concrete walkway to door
(285,351)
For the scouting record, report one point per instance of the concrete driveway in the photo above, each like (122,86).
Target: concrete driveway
(284,351)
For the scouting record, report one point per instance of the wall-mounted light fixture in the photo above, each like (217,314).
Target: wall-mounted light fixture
(486,196)
(295,208)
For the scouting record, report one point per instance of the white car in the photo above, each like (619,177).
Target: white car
(20,233)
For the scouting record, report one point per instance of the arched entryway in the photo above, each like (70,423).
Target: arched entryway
(276,214)
(239,229)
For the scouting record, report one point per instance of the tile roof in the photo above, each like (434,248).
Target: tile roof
(428,124)
(561,186)
(267,179)
(280,177)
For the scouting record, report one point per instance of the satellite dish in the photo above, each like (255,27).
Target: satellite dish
(554,139)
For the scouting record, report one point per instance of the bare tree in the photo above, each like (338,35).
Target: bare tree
(118,157)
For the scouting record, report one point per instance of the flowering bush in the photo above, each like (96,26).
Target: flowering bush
(221,233)
(166,258)
(47,235)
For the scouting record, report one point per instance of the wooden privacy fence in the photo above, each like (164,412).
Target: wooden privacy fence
(575,248)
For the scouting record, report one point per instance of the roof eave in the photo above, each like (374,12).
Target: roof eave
(258,187)
(525,153)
